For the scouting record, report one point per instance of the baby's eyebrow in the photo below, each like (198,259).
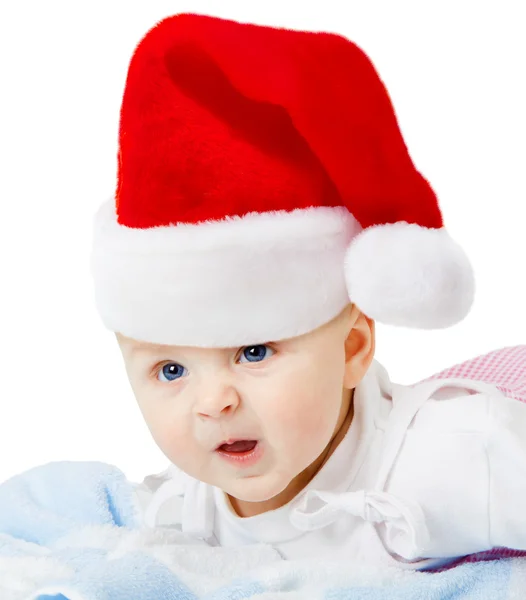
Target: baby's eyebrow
(163,349)
(149,349)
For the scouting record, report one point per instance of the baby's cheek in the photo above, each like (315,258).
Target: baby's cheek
(314,428)
(168,431)
(305,418)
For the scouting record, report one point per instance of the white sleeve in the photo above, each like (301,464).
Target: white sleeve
(143,496)
(506,449)
(158,509)
(464,462)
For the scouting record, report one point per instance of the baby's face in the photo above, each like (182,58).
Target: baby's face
(286,396)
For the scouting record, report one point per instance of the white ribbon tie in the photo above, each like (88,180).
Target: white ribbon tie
(406,533)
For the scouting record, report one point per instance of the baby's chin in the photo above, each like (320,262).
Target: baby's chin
(258,488)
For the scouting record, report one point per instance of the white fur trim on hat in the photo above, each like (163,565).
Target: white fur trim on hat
(239,281)
(408,275)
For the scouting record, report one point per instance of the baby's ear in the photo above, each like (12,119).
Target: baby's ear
(359,348)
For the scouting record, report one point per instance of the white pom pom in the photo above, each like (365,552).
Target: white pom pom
(407,275)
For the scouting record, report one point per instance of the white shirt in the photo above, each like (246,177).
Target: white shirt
(425,474)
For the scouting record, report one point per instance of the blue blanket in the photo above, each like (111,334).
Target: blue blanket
(71,531)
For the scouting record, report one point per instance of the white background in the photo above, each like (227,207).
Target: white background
(456,73)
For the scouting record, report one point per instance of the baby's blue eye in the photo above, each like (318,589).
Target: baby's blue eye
(171,372)
(256,353)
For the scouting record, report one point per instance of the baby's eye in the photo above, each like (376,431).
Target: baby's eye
(256,353)
(171,372)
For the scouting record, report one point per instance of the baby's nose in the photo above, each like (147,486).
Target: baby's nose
(217,403)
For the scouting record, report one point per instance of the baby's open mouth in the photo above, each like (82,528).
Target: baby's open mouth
(241,453)
(238,447)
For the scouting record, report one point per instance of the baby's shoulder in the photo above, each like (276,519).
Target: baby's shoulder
(466,405)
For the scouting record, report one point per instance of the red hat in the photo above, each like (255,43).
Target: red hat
(263,184)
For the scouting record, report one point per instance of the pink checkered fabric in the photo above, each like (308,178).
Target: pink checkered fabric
(506,369)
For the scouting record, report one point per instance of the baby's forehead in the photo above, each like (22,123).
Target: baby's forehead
(140,347)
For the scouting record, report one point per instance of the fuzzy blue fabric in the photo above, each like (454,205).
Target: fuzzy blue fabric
(72,531)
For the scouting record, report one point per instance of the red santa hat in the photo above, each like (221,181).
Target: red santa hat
(263,184)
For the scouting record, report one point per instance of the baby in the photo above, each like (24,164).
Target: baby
(267,214)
